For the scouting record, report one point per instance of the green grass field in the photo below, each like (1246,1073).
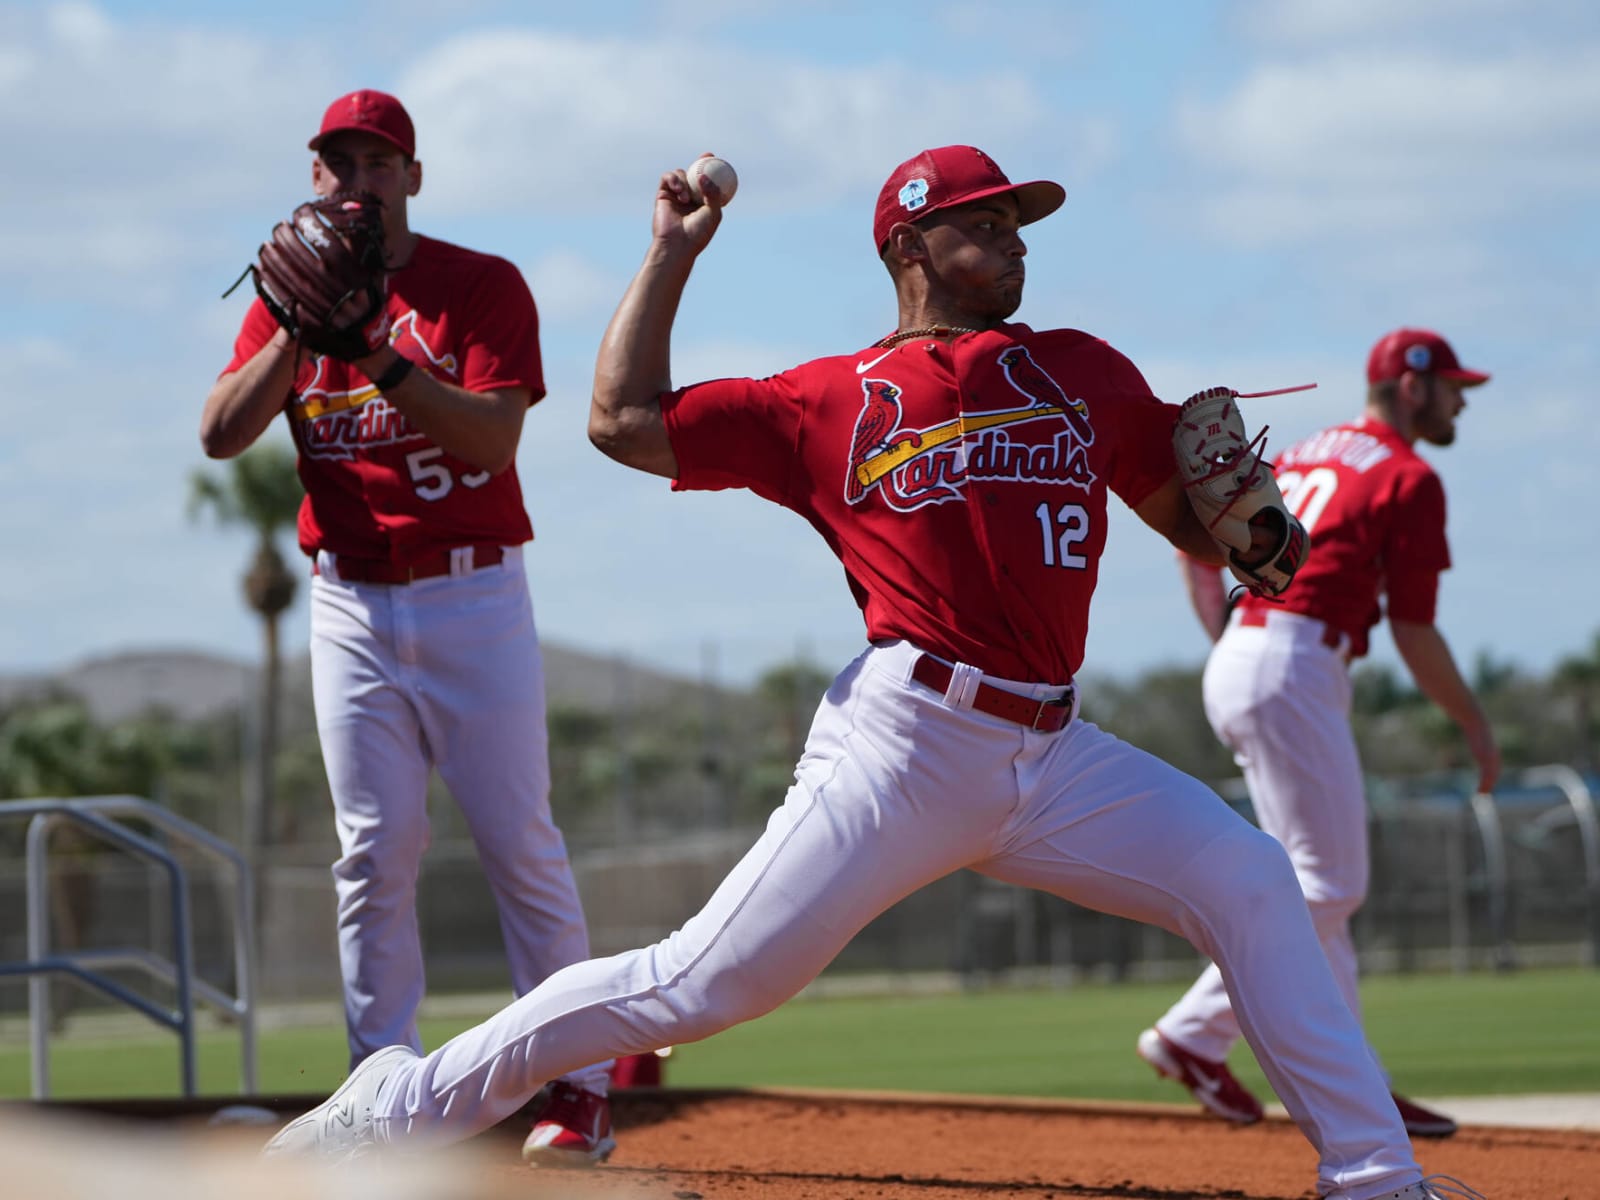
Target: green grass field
(1532,1031)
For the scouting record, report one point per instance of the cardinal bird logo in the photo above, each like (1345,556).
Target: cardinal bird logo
(1029,378)
(875,431)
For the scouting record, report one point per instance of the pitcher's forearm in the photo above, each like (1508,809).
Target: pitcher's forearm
(634,366)
(242,403)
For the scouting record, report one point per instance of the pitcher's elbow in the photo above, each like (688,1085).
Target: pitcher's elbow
(606,434)
(214,443)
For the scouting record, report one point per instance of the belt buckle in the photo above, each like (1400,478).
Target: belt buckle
(1062,701)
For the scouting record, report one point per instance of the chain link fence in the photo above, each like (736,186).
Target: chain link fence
(1457,884)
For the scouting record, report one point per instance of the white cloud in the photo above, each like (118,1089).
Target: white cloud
(725,360)
(159,149)
(140,139)
(1317,22)
(1395,140)
(524,118)
(567,284)
(27,355)
(81,28)
(155,145)
(123,93)
(685,15)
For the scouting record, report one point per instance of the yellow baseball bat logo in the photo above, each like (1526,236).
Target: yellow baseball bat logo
(879,465)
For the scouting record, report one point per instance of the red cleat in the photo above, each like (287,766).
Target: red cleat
(573,1130)
(1423,1122)
(1209,1082)
(639,1070)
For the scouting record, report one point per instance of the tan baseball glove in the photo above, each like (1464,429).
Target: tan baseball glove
(1232,490)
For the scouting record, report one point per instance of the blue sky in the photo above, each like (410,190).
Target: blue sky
(1257,189)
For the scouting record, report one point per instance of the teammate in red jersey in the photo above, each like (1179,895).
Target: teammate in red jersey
(423,647)
(960,467)
(1277,687)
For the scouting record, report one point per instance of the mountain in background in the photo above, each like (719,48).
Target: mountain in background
(192,684)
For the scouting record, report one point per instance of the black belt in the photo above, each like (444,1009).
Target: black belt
(1046,716)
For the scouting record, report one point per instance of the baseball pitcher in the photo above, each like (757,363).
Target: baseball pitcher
(961,466)
(404,366)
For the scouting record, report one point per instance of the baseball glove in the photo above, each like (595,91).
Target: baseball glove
(322,275)
(1233,491)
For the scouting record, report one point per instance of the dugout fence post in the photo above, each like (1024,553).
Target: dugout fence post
(1496,878)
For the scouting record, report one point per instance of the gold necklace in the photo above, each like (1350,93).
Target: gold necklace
(894,339)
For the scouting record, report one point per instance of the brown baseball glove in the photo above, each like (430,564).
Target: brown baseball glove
(322,275)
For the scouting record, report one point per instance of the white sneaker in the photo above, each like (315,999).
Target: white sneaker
(1434,1187)
(341,1126)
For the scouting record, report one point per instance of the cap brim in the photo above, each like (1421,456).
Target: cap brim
(1464,377)
(1035,200)
(1038,199)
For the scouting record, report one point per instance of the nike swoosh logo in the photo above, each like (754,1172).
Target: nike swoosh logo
(1210,1085)
(863,367)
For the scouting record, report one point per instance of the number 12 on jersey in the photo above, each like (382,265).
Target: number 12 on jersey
(1062,530)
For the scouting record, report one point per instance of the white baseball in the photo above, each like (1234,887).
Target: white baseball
(719,171)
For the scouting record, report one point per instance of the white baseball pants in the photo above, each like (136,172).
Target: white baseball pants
(896,789)
(442,673)
(1279,698)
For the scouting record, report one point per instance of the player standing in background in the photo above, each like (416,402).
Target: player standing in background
(1277,684)
(960,467)
(423,647)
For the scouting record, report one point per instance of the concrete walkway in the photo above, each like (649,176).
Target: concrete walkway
(1556,1111)
(1578,1110)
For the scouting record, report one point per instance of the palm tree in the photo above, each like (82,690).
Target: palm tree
(1578,678)
(262,490)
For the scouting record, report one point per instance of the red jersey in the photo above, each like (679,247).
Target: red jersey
(1375,512)
(376,486)
(962,485)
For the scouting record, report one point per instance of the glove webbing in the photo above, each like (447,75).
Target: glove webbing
(1223,468)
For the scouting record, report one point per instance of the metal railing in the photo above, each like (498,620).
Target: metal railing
(1492,837)
(1585,817)
(95,814)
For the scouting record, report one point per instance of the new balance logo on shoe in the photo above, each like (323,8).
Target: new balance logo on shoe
(342,1126)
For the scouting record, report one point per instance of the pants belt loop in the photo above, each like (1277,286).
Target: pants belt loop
(964,680)
(460,561)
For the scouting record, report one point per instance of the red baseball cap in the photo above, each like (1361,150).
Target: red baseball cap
(369,112)
(953,175)
(1418,350)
